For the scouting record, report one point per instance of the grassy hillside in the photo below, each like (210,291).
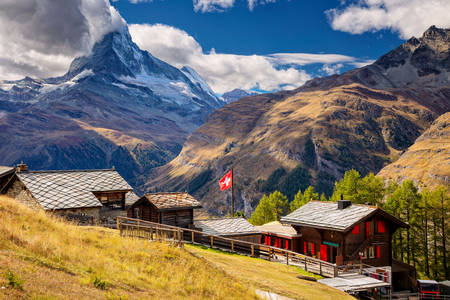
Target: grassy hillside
(427,161)
(268,276)
(50,259)
(42,257)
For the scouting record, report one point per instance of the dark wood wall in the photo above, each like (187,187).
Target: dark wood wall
(176,217)
(180,218)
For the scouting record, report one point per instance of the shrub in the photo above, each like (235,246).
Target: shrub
(13,280)
(99,283)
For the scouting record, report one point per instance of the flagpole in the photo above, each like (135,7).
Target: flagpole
(232,193)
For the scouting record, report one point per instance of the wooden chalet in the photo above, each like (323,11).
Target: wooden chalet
(87,196)
(176,209)
(235,228)
(342,233)
(280,236)
(345,233)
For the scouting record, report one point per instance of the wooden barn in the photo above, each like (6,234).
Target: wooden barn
(176,209)
(235,228)
(86,196)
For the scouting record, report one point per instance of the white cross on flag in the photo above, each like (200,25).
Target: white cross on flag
(226,182)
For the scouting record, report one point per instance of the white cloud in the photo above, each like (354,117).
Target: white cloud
(39,38)
(407,17)
(224,72)
(220,5)
(332,69)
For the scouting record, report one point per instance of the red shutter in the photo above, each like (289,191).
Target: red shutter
(378,252)
(367,229)
(381,227)
(287,244)
(323,252)
(265,240)
(355,229)
(305,248)
(312,248)
(270,242)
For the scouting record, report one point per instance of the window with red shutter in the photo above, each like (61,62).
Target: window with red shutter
(355,229)
(287,244)
(378,252)
(381,227)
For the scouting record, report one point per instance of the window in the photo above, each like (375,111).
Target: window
(364,256)
(381,228)
(355,229)
(371,252)
(136,212)
(378,251)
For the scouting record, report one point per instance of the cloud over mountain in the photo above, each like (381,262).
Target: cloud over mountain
(41,37)
(225,72)
(407,17)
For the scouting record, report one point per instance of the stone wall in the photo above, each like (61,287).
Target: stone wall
(19,192)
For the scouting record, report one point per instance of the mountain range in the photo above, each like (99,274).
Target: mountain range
(118,106)
(236,94)
(362,119)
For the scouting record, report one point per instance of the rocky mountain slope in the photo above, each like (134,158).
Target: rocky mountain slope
(427,161)
(119,106)
(362,119)
(236,94)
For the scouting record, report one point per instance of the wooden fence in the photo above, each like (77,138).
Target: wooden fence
(178,236)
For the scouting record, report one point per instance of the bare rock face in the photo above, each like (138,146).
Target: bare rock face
(363,119)
(119,106)
(427,161)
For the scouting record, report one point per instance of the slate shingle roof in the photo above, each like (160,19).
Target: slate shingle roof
(5,170)
(278,228)
(226,226)
(326,215)
(71,189)
(172,200)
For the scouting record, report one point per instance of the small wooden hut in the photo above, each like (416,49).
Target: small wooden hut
(176,209)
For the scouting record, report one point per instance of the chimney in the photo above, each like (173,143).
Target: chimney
(343,204)
(22,167)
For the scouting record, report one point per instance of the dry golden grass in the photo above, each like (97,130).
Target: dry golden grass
(427,161)
(269,276)
(57,260)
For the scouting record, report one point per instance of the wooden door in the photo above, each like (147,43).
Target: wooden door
(323,252)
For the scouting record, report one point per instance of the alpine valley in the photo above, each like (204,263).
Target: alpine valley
(118,106)
(363,119)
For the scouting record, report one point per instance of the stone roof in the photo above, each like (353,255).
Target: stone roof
(71,189)
(130,198)
(326,215)
(278,228)
(165,201)
(226,226)
(5,170)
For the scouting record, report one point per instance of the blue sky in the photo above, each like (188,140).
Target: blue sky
(262,45)
(282,26)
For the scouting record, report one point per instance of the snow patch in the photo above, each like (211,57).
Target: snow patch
(47,87)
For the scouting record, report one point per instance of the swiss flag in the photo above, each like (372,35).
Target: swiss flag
(226,182)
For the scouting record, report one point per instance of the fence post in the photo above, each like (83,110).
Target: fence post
(193,239)
(287,258)
(212,240)
(253,250)
(232,246)
(306,265)
(320,267)
(270,250)
(118,226)
(151,233)
(336,271)
(180,237)
(138,234)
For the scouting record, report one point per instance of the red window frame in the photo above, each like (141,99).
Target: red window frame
(381,227)
(355,229)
